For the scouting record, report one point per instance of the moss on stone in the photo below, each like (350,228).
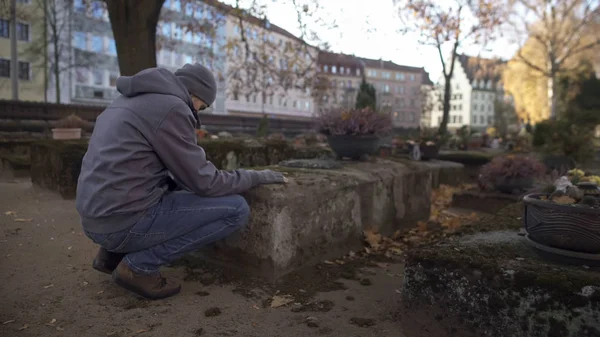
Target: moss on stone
(497,276)
(56,165)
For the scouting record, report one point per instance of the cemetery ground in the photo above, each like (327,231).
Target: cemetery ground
(49,288)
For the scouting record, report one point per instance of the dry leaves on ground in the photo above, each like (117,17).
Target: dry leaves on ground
(441,222)
(280,301)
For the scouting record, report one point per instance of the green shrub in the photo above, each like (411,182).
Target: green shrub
(563,138)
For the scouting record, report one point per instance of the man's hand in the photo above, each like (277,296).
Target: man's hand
(266,177)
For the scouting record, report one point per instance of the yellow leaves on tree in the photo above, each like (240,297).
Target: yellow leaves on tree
(528,87)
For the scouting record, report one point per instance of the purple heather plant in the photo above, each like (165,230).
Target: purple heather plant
(510,167)
(338,122)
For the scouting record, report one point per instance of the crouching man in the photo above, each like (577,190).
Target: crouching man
(123,197)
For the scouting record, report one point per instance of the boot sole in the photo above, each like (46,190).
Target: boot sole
(137,291)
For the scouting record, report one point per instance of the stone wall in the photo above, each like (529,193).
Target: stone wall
(492,284)
(55,165)
(322,213)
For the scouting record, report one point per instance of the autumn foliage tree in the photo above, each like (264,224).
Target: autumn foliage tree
(554,35)
(451,24)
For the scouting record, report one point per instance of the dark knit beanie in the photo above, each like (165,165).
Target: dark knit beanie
(199,81)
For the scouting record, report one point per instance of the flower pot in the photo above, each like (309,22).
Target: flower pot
(353,146)
(570,227)
(66,134)
(512,185)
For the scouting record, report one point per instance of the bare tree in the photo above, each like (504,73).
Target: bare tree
(558,28)
(53,47)
(450,24)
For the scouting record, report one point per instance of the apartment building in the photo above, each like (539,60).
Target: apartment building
(30,27)
(398,90)
(344,74)
(428,101)
(268,70)
(398,87)
(476,85)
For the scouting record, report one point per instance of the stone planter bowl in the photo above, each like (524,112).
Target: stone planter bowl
(353,147)
(66,134)
(569,227)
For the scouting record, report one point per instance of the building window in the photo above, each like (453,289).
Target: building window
(386,88)
(489,108)
(348,71)
(80,40)
(188,37)
(474,107)
(4,68)
(188,59)
(22,31)
(97,44)
(178,32)
(177,5)
(349,84)
(199,13)
(453,119)
(307,105)
(357,72)
(333,69)
(481,121)
(489,120)
(460,107)
(459,119)
(112,78)
(189,9)
(98,77)
(4,28)
(412,77)
(325,68)
(24,73)
(166,29)
(400,76)
(342,70)
(112,47)
(81,75)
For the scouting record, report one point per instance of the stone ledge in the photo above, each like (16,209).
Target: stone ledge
(322,213)
(493,284)
(55,165)
(487,202)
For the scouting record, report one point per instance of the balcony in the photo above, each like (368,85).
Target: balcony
(91,94)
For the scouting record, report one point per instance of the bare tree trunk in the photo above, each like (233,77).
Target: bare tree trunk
(552,92)
(56,69)
(447,88)
(134,28)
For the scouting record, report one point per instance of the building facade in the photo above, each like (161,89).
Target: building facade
(397,87)
(343,75)
(476,86)
(30,29)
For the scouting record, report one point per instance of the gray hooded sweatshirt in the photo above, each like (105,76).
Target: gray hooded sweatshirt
(143,135)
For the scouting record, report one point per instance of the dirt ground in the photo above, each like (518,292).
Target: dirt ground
(48,288)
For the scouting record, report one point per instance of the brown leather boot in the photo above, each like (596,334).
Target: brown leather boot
(152,287)
(106,261)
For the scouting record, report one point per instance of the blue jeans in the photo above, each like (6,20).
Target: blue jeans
(181,222)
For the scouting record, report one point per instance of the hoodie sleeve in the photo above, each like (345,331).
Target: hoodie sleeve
(176,145)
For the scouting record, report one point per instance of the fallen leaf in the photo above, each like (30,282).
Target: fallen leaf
(52,321)
(85,283)
(24,327)
(328,262)
(49,286)
(372,239)
(23,220)
(422,226)
(398,291)
(382,265)
(141,331)
(9,321)
(100,292)
(255,307)
(564,200)
(279,301)
(59,328)
(340,262)
(395,250)
(11,213)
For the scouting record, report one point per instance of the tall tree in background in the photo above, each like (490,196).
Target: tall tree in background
(450,24)
(560,30)
(366,97)
(134,24)
(53,46)
(527,86)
